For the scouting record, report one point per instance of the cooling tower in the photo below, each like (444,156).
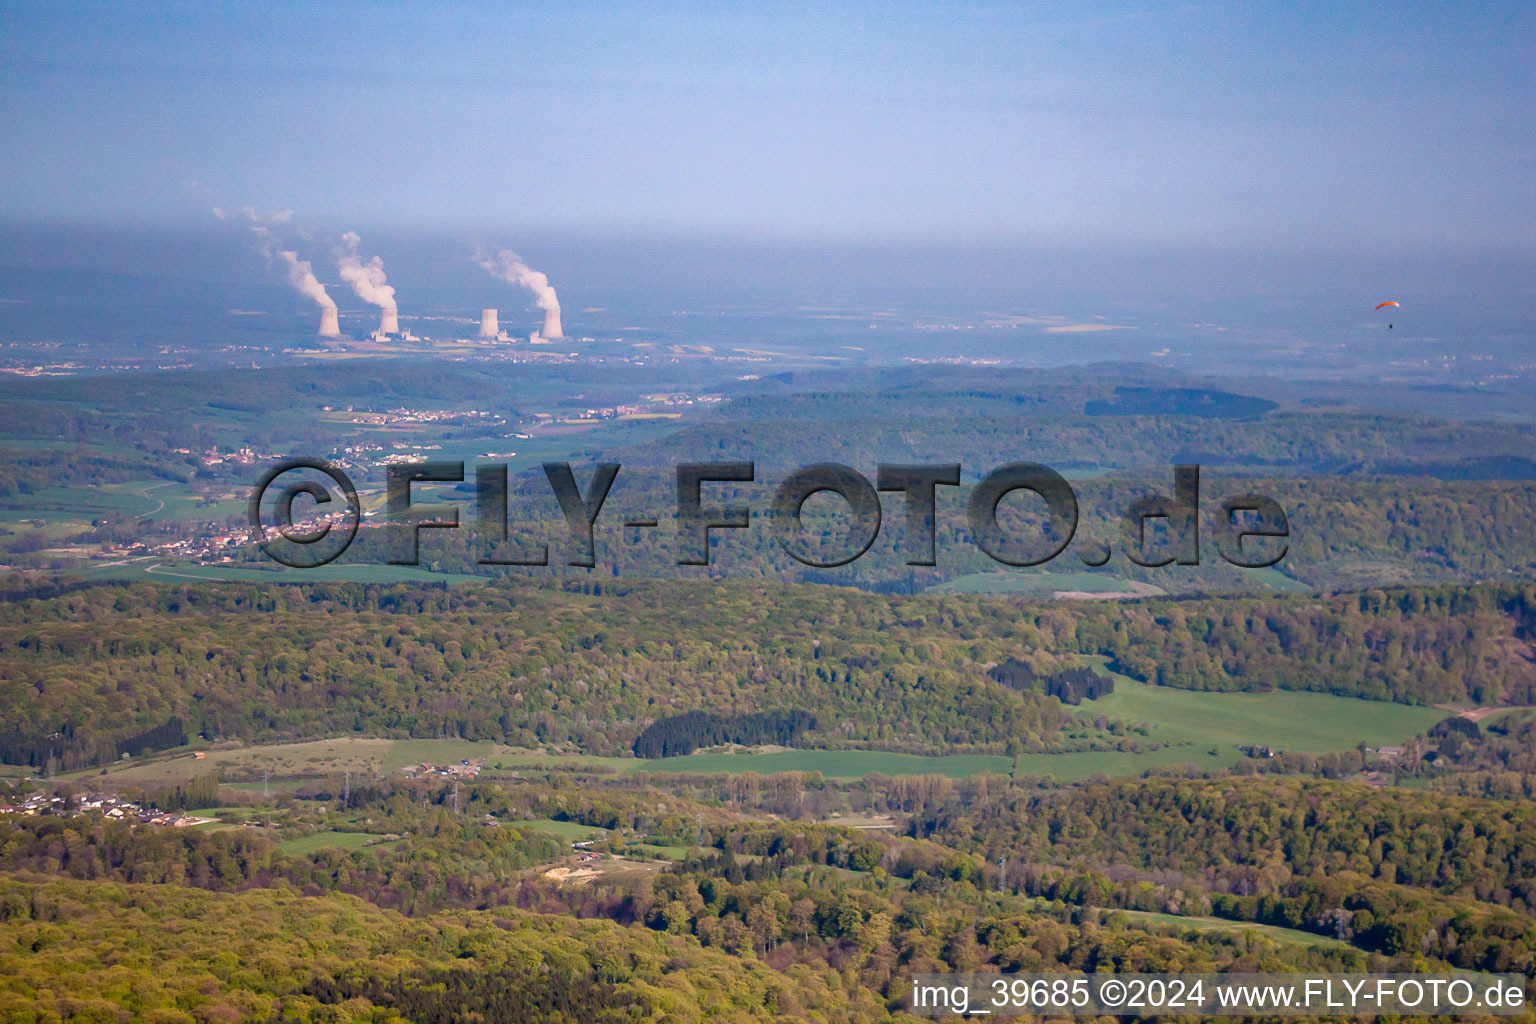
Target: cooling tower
(329,326)
(488,327)
(389,321)
(552,323)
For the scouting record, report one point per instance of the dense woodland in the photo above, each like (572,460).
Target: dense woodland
(766,919)
(1068,685)
(592,667)
(685,733)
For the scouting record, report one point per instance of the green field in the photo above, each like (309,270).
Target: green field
(664,852)
(569,831)
(1288,720)
(439,752)
(55,531)
(177,501)
(324,840)
(77,503)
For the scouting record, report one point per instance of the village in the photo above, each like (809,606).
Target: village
(107,806)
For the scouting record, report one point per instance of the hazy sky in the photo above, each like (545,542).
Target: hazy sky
(1267,124)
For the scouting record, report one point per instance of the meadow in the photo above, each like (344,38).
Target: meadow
(325,840)
(1289,720)
(569,831)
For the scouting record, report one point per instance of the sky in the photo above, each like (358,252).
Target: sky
(1288,125)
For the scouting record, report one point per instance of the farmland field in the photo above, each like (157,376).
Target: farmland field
(78,503)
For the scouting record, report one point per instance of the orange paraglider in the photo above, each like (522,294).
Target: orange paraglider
(1388,303)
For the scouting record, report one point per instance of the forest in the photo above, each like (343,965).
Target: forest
(685,733)
(1069,685)
(92,671)
(752,917)
(728,897)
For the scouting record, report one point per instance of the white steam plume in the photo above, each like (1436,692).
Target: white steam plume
(366,279)
(508,266)
(300,273)
(302,276)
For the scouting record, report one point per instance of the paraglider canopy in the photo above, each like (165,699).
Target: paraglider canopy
(1389,303)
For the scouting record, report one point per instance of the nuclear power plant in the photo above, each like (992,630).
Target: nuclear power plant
(508,266)
(368,281)
(490,326)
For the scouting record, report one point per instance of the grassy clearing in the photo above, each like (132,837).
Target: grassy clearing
(569,831)
(243,766)
(1043,584)
(327,840)
(664,852)
(1312,723)
(1285,936)
(402,753)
